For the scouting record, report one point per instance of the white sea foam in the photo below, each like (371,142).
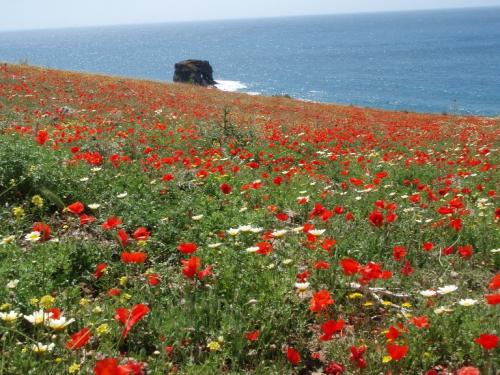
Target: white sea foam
(230,85)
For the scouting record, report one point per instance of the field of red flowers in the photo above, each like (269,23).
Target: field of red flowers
(151,228)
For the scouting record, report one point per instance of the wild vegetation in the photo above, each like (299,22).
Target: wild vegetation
(150,228)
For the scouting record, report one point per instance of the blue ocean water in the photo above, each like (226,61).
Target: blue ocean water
(428,61)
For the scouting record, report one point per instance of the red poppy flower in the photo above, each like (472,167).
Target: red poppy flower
(356,356)
(187,248)
(349,266)
(328,243)
(42,137)
(465,251)
(131,368)
(134,257)
(167,177)
(398,253)
(334,368)
(265,248)
(321,300)
(487,341)
(355,181)
(111,223)
(427,246)
(376,218)
(153,279)
(455,224)
(252,335)
(76,208)
(113,292)
(109,366)
(397,352)
(130,317)
(321,265)
(448,250)
(468,371)
(282,216)
(86,219)
(122,237)
(99,270)
(44,230)
(302,277)
(420,321)
(204,273)
(492,299)
(392,333)
(293,356)
(141,234)
(331,327)
(191,266)
(407,269)
(79,339)
(495,282)
(225,188)
(56,312)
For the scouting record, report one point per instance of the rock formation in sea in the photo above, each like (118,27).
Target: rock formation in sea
(198,72)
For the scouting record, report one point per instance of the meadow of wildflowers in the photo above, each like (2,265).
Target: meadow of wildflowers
(150,228)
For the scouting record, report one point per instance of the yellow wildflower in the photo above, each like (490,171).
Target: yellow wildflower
(213,346)
(355,295)
(37,201)
(102,329)
(386,359)
(75,367)
(5,306)
(18,212)
(47,301)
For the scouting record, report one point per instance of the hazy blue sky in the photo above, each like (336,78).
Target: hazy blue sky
(29,14)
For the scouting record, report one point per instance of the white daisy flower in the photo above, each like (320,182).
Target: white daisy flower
(279,233)
(428,293)
(9,316)
(317,232)
(442,309)
(252,249)
(447,289)
(7,240)
(42,348)
(233,231)
(245,228)
(33,236)
(12,284)
(59,324)
(467,302)
(38,317)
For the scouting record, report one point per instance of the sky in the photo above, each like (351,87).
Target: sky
(35,14)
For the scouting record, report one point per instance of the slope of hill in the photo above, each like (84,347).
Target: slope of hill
(162,228)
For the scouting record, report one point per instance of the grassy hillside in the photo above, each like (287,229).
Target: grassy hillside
(150,228)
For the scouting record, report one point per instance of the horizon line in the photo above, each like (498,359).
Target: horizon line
(209,20)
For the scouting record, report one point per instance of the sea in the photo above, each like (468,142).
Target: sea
(440,61)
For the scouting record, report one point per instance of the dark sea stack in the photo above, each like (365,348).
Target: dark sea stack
(198,72)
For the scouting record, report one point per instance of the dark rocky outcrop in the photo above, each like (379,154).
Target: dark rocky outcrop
(198,72)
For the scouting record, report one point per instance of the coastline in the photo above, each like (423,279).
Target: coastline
(239,85)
